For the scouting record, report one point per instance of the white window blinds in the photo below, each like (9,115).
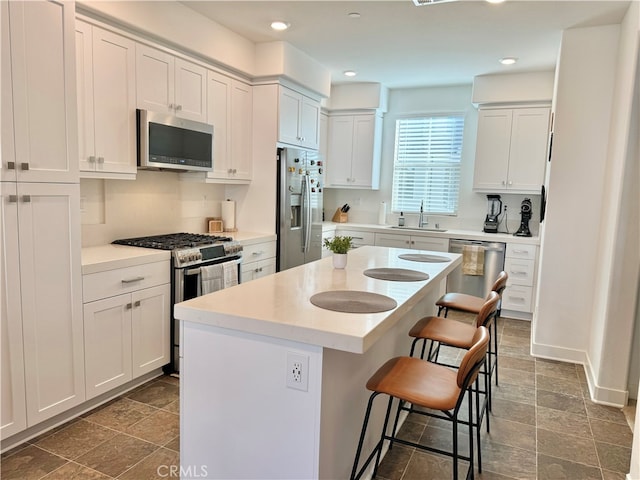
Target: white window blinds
(426,167)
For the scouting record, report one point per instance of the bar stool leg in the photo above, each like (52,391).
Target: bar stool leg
(495,342)
(384,432)
(362,433)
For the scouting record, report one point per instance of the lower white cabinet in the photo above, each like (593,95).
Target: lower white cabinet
(126,335)
(415,242)
(42,349)
(520,265)
(358,238)
(258,260)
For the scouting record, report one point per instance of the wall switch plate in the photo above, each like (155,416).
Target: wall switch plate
(297,371)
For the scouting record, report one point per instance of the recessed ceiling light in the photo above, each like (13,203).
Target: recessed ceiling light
(349,73)
(279,25)
(508,60)
(354,15)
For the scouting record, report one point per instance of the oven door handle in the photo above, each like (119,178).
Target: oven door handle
(193,271)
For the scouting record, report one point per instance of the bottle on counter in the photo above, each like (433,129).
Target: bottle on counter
(401,219)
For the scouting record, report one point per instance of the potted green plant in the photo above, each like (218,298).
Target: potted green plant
(339,245)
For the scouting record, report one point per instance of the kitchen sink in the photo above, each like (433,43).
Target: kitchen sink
(419,229)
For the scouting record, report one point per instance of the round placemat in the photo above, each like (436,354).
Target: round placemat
(396,274)
(421,257)
(353,301)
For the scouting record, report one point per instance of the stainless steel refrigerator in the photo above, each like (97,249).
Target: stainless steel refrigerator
(299,212)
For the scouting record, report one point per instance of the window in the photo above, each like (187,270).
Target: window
(426,164)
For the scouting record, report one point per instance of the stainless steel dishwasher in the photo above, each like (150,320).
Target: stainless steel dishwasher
(478,285)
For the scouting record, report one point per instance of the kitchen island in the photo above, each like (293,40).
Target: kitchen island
(243,415)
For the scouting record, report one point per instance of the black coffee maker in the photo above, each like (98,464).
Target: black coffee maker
(494,209)
(525,216)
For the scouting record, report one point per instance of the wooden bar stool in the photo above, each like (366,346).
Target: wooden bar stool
(471,304)
(445,331)
(431,386)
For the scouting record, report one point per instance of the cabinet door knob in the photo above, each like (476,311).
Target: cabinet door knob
(128,306)
(100,159)
(11,165)
(13,199)
(136,303)
(178,108)
(24,166)
(26,198)
(172,106)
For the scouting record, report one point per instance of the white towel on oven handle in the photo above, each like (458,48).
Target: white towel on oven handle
(230,274)
(211,278)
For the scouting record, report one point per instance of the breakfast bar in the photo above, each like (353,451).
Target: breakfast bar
(273,386)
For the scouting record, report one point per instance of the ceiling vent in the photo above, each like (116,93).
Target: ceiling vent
(420,3)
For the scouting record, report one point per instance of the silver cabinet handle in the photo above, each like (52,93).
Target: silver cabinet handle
(132,280)
(11,165)
(258,253)
(520,251)
(171,106)
(24,166)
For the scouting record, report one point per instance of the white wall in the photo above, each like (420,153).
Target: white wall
(589,263)
(154,203)
(472,206)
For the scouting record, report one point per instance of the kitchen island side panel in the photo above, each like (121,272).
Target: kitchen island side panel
(238,418)
(345,397)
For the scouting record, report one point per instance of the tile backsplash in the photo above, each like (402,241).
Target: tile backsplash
(154,203)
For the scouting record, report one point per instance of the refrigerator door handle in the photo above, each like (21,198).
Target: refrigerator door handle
(306,214)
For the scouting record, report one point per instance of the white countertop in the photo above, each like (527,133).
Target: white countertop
(278,305)
(449,233)
(109,257)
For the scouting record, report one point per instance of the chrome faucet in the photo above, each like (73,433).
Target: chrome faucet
(422,222)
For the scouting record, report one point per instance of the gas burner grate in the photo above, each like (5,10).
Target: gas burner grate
(172,241)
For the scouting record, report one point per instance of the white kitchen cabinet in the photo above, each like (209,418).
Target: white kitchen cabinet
(511,149)
(299,119)
(520,265)
(169,84)
(45,295)
(359,238)
(106,102)
(354,150)
(415,242)
(127,324)
(230,111)
(258,260)
(13,412)
(41,66)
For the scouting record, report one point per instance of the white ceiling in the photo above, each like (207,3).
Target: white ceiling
(401,45)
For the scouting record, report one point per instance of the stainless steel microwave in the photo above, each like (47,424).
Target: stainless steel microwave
(170,143)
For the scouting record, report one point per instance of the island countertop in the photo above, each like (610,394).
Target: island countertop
(278,305)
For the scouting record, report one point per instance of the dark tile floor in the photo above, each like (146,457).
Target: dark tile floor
(542,426)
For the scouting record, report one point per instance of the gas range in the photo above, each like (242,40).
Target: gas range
(188,249)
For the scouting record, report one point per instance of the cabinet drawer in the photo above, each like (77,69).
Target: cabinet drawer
(516,250)
(434,244)
(258,251)
(518,298)
(360,239)
(521,272)
(124,280)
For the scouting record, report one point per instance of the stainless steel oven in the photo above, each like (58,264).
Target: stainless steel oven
(190,254)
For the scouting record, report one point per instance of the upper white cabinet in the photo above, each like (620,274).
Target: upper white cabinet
(354,149)
(106,101)
(41,78)
(169,84)
(299,119)
(511,149)
(230,111)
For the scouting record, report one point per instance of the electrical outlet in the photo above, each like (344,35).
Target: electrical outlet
(297,371)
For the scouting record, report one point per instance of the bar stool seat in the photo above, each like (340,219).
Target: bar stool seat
(461,302)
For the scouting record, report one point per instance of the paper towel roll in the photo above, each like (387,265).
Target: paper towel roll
(229,215)
(382,213)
